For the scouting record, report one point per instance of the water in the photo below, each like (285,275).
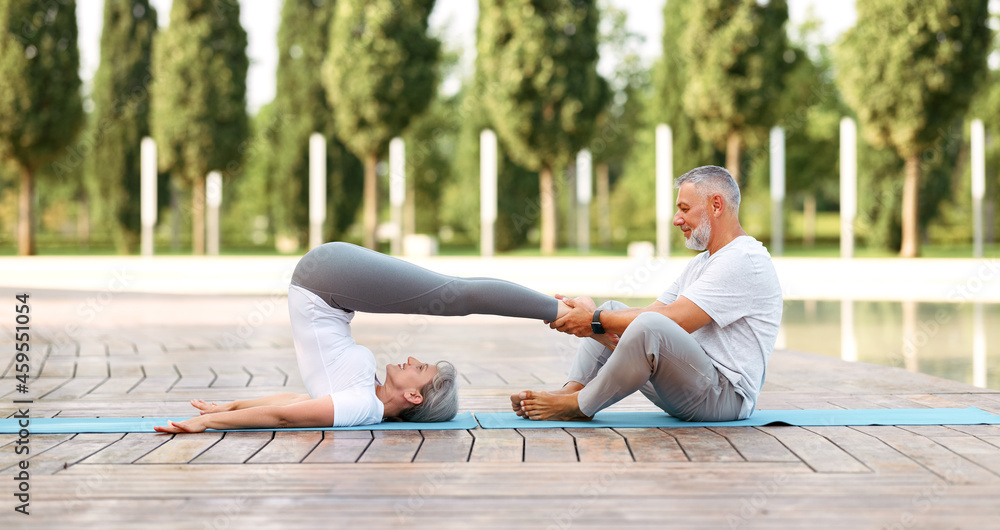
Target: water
(960,342)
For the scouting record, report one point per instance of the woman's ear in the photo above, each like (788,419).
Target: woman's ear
(413,397)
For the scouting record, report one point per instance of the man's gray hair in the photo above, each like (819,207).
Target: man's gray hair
(440,397)
(714,180)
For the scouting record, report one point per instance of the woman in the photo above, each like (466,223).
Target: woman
(329,284)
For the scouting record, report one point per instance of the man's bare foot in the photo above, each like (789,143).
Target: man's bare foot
(568,388)
(210,408)
(551,406)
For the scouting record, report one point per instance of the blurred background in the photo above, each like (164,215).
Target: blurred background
(238,87)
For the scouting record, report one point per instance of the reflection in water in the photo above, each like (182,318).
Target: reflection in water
(848,343)
(942,339)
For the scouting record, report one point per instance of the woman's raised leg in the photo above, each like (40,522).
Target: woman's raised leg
(358,279)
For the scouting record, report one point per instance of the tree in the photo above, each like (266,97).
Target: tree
(199,115)
(543,92)
(379,74)
(517,205)
(909,68)
(303,39)
(670,79)
(121,115)
(738,48)
(41,111)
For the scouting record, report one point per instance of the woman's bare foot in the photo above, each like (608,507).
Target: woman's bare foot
(210,408)
(564,307)
(551,406)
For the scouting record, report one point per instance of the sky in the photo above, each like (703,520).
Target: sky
(454,21)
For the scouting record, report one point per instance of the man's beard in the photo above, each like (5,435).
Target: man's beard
(698,240)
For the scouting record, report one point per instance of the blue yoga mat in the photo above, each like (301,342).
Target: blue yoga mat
(462,421)
(802,418)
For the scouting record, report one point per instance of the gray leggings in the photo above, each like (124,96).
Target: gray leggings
(354,278)
(658,358)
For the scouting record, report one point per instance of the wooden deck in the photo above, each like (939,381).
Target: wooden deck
(148,355)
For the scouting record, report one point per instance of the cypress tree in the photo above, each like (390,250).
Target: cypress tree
(303,39)
(40,106)
(670,78)
(543,92)
(379,74)
(199,117)
(910,68)
(738,47)
(121,115)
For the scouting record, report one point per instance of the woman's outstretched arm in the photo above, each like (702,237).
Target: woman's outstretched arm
(272,400)
(316,412)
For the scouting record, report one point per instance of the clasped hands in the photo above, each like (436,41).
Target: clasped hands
(578,320)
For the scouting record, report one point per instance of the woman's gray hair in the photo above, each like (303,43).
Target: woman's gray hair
(440,397)
(714,180)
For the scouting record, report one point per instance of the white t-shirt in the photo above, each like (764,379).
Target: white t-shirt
(331,362)
(738,287)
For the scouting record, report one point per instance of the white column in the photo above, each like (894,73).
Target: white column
(848,342)
(664,189)
(777,191)
(147,192)
(978,185)
(487,191)
(584,192)
(213,199)
(848,185)
(397,191)
(317,188)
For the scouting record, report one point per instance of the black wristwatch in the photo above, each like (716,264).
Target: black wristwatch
(595,325)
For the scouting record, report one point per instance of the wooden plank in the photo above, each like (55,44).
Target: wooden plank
(60,367)
(92,367)
(235,447)
(653,445)
(126,450)
(230,377)
(870,451)
(265,376)
(755,445)
(75,389)
(340,446)
(38,444)
(445,446)
(115,386)
(154,385)
(973,449)
(392,446)
(287,447)
(71,451)
(978,430)
(200,376)
(548,445)
(181,448)
(932,431)
(702,445)
(601,445)
(931,455)
(816,451)
(497,445)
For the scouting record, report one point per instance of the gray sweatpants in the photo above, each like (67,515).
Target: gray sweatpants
(355,278)
(658,358)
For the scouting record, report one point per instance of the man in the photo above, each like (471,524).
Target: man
(699,352)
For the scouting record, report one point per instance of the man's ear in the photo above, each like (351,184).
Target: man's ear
(413,397)
(718,204)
